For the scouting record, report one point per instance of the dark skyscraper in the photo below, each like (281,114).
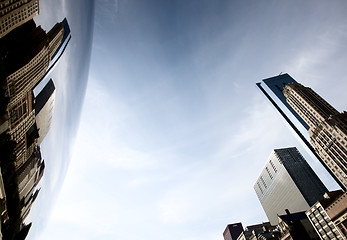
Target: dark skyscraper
(232,231)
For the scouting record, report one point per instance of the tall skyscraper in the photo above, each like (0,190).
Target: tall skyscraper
(287,182)
(28,54)
(31,54)
(320,127)
(232,231)
(327,128)
(273,88)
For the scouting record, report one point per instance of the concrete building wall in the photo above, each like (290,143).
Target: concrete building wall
(287,182)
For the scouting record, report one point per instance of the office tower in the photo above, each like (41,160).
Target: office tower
(307,104)
(287,182)
(28,173)
(44,107)
(60,46)
(327,128)
(35,51)
(232,231)
(28,204)
(14,13)
(329,215)
(273,87)
(315,123)
(31,54)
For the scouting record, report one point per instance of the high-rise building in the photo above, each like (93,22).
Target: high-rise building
(287,182)
(232,231)
(44,107)
(31,54)
(28,55)
(327,128)
(320,126)
(329,216)
(14,13)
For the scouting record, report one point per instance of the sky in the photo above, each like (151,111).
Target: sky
(173,132)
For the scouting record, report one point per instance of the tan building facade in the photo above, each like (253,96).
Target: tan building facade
(329,216)
(328,128)
(14,13)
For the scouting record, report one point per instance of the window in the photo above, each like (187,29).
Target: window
(262,180)
(273,166)
(268,171)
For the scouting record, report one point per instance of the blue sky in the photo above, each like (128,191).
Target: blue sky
(173,132)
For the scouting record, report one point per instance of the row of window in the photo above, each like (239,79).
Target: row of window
(15,6)
(9,22)
(323,224)
(23,127)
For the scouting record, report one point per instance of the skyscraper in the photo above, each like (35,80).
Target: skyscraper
(320,126)
(327,128)
(31,54)
(287,182)
(44,107)
(232,231)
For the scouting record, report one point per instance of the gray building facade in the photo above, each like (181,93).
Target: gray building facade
(287,182)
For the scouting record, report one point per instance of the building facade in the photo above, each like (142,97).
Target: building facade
(31,55)
(327,128)
(14,13)
(287,182)
(44,108)
(329,216)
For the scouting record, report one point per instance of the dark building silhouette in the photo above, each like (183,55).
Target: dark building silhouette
(296,226)
(261,231)
(232,231)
